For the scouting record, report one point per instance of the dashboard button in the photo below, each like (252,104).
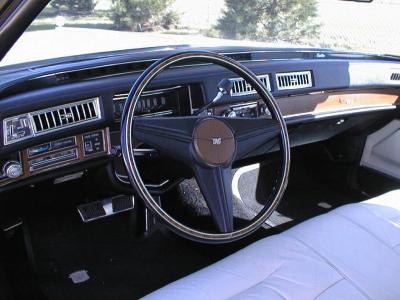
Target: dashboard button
(36,150)
(13,169)
(64,143)
(93,142)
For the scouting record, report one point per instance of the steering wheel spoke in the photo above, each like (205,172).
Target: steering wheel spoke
(216,185)
(169,135)
(209,145)
(251,134)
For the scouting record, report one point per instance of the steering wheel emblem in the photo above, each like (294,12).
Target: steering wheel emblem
(213,142)
(217,141)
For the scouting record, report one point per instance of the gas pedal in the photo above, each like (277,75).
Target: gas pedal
(105,208)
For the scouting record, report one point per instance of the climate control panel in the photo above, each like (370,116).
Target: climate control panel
(54,154)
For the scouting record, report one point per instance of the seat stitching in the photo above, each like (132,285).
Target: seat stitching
(255,265)
(223,270)
(258,282)
(395,246)
(262,283)
(367,231)
(367,208)
(331,265)
(199,288)
(327,288)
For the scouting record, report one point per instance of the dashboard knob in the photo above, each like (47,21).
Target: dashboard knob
(230,114)
(12,169)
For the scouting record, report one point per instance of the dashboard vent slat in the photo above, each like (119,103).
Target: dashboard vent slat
(294,80)
(395,76)
(66,115)
(240,87)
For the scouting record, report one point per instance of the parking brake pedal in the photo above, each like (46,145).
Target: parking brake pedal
(106,207)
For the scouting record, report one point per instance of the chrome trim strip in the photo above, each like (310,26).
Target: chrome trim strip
(35,132)
(160,113)
(13,226)
(183,66)
(123,95)
(338,113)
(161,184)
(245,105)
(125,179)
(107,207)
(33,167)
(143,151)
(122,178)
(189,87)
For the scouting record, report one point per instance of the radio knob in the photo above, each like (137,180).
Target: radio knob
(230,114)
(12,169)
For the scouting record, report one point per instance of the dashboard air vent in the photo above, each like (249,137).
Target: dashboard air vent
(66,115)
(120,97)
(294,80)
(395,76)
(241,87)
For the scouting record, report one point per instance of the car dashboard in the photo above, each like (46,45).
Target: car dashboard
(62,119)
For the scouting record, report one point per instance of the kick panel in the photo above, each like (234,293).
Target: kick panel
(381,150)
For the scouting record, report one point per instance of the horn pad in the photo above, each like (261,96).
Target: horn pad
(214,142)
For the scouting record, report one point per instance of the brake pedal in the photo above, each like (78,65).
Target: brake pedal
(105,208)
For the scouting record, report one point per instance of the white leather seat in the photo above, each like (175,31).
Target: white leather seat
(352,252)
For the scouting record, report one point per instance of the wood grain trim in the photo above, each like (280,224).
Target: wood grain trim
(80,153)
(336,101)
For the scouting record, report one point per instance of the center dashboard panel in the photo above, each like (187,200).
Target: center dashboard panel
(55,154)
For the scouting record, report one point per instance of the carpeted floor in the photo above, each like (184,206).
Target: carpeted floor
(116,261)
(124,266)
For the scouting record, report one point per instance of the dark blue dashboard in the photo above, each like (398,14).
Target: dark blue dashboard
(338,85)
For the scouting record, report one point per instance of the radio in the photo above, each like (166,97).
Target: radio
(246,110)
(52,153)
(58,152)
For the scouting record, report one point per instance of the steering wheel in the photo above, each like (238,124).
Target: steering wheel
(209,146)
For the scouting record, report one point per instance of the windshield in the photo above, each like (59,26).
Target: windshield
(75,27)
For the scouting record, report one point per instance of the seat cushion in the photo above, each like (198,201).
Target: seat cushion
(352,252)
